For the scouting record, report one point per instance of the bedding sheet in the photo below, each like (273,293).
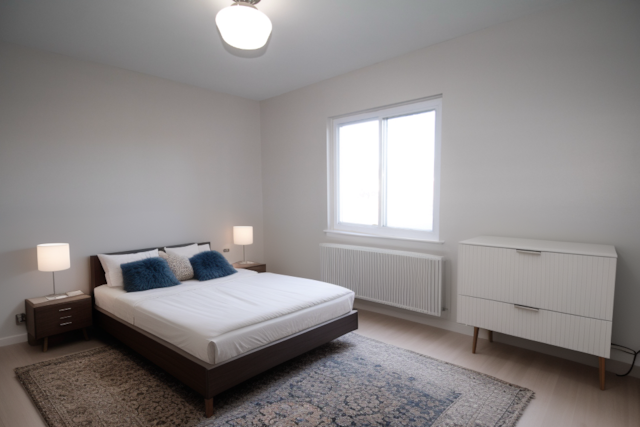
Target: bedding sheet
(220,319)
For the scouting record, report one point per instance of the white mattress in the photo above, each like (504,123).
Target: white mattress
(219,319)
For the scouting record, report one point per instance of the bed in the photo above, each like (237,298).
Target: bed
(240,348)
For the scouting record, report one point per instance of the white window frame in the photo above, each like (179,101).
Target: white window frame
(412,107)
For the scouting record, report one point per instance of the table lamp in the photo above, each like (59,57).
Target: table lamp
(243,235)
(53,257)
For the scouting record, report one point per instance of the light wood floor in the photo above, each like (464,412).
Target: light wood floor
(567,393)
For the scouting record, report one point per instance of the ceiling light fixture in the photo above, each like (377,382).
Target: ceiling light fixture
(243,26)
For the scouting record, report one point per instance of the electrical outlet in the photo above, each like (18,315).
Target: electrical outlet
(21,318)
(226,250)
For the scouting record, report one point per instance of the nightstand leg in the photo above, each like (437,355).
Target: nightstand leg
(84,332)
(475,339)
(45,344)
(490,336)
(602,363)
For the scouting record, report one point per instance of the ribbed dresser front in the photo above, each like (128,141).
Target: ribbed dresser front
(558,293)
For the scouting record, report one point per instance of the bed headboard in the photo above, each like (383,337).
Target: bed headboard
(97,272)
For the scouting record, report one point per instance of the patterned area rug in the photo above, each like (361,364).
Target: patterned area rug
(352,381)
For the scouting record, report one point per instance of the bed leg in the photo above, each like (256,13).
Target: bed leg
(208,407)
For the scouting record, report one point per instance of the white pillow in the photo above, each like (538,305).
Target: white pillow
(204,248)
(111,265)
(185,251)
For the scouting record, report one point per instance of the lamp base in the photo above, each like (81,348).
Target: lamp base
(246,262)
(56,296)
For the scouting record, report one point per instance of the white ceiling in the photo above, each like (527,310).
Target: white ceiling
(312,40)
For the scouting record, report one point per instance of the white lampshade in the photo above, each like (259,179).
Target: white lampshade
(53,256)
(243,26)
(243,235)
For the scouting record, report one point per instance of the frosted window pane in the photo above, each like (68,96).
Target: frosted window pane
(410,171)
(359,173)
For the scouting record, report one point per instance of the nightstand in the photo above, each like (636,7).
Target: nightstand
(46,318)
(259,267)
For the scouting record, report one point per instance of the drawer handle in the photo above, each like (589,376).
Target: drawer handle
(524,307)
(526,252)
(65,324)
(65,317)
(65,309)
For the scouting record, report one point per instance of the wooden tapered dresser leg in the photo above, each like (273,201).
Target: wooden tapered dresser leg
(602,363)
(490,336)
(208,407)
(86,335)
(45,344)
(475,339)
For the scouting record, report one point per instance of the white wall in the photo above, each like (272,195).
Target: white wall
(108,160)
(541,139)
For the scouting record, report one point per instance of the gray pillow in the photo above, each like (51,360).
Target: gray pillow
(179,265)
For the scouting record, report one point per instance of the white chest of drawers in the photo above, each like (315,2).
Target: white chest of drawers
(557,293)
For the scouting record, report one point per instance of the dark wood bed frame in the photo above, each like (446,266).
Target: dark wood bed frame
(205,378)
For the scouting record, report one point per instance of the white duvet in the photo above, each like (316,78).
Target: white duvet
(219,319)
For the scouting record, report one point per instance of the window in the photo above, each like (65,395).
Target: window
(384,171)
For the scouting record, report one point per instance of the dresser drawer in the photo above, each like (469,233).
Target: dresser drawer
(574,284)
(592,336)
(59,318)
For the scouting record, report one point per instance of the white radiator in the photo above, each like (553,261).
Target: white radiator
(408,280)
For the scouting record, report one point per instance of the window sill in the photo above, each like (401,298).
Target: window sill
(350,233)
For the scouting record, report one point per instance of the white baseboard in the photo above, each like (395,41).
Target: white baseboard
(619,362)
(15,339)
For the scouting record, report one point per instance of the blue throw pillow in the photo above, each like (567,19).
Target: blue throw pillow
(210,265)
(147,274)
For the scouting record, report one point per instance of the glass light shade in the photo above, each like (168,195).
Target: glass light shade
(53,256)
(243,235)
(243,26)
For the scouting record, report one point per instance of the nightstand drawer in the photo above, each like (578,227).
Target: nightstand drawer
(63,325)
(62,317)
(64,308)
(258,267)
